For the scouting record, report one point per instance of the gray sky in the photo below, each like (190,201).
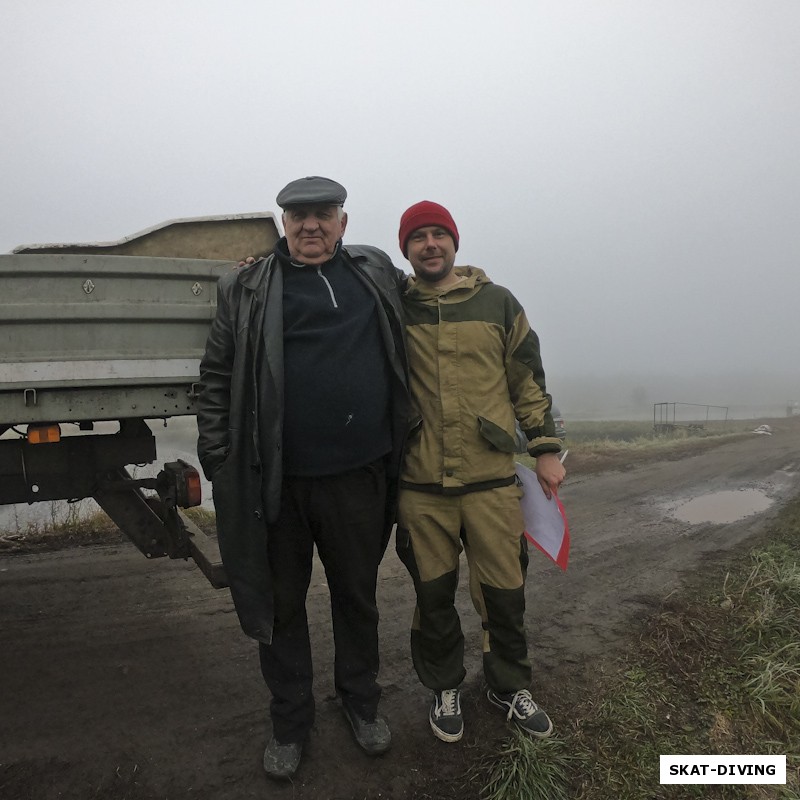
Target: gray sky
(629,168)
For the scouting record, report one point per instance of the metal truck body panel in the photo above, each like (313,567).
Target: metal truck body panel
(102,337)
(89,334)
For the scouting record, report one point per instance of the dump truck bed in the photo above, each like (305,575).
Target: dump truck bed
(91,336)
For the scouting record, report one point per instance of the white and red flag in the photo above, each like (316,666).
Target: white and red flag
(545,521)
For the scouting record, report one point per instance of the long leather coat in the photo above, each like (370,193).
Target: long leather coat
(240,416)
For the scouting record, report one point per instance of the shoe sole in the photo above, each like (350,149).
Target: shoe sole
(443,735)
(537,734)
(279,776)
(505,707)
(374,751)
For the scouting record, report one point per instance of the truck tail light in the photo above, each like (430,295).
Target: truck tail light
(194,491)
(180,481)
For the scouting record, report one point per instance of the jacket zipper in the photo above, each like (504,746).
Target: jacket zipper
(328,284)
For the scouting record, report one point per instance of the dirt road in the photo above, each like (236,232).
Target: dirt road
(127,678)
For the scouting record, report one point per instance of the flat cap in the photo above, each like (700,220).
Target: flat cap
(312,189)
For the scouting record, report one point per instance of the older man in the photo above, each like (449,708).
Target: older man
(474,368)
(302,415)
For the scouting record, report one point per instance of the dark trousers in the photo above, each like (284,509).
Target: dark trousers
(344,516)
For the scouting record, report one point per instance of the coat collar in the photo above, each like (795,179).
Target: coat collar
(252,275)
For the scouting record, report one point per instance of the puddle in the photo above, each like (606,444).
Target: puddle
(723,506)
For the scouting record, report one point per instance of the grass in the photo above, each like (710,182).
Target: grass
(77,524)
(716,671)
(204,518)
(64,524)
(527,770)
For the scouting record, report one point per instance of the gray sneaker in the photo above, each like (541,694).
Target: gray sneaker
(281,760)
(445,715)
(520,708)
(372,736)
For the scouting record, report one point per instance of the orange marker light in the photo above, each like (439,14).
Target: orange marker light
(44,434)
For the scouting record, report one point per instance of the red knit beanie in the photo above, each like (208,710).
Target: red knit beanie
(423,214)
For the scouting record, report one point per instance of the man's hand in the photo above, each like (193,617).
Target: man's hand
(248,260)
(550,473)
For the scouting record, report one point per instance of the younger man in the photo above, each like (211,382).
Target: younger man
(474,368)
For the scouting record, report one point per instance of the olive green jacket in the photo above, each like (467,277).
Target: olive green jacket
(474,367)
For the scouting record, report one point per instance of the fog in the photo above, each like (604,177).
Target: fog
(628,168)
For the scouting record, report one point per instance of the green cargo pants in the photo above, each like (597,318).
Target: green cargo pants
(432,530)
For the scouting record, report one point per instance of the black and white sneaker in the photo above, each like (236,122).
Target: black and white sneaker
(520,708)
(445,717)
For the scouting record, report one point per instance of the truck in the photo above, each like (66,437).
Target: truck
(99,342)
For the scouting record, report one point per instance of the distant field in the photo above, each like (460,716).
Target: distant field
(598,445)
(631,431)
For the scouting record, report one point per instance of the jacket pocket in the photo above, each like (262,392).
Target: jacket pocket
(219,467)
(219,457)
(414,427)
(212,461)
(498,437)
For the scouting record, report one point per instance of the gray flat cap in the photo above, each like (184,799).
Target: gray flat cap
(312,189)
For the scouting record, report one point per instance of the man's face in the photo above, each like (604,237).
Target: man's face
(312,232)
(432,253)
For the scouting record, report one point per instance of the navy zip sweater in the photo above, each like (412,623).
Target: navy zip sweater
(337,379)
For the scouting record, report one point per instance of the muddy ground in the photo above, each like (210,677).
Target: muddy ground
(127,678)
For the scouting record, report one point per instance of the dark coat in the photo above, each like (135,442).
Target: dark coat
(240,416)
